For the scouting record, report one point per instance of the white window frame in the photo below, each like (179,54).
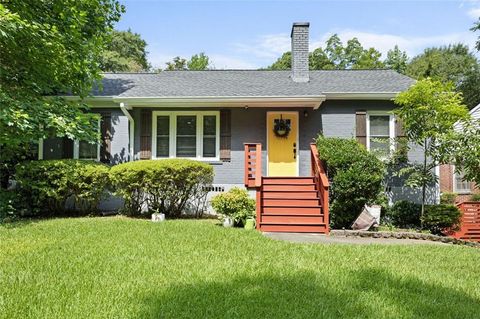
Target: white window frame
(454,182)
(76,149)
(173,133)
(391,128)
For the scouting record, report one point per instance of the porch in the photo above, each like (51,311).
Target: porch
(288,203)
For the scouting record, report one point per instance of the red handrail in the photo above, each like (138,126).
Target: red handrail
(321,181)
(253,174)
(253,164)
(469,222)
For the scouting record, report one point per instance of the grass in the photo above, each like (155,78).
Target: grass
(125,268)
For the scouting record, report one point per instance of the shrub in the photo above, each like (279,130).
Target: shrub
(356,178)
(448,198)
(438,218)
(236,203)
(475,198)
(164,186)
(10,204)
(47,185)
(405,214)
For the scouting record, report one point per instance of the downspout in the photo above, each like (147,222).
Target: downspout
(131,129)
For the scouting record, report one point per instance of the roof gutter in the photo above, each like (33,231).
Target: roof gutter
(131,133)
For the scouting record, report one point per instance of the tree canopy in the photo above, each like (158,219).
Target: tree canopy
(336,56)
(198,61)
(125,52)
(49,48)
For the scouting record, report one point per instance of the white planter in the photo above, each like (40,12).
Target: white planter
(227,222)
(156,217)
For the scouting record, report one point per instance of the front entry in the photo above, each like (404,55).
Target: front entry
(282,143)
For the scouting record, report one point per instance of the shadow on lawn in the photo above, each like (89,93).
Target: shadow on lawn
(367,293)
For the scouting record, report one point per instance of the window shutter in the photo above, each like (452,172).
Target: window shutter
(146,134)
(361,127)
(67,148)
(225,135)
(106,137)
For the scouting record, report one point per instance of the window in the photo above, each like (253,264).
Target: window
(380,133)
(88,151)
(186,134)
(460,186)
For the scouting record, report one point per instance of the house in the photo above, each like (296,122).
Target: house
(253,126)
(453,182)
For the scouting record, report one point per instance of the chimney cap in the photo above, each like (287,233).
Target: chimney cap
(299,24)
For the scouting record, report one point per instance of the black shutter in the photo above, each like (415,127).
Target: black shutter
(225,135)
(361,127)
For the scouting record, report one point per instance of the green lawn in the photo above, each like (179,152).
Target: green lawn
(124,268)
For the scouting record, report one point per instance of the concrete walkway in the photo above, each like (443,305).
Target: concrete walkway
(324,239)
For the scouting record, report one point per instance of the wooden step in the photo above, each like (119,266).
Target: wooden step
(290,188)
(321,228)
(292,219)
(287,180)
(291,202)
(290,194)
(300,210)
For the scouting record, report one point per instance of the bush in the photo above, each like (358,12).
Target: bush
(236,203)
(162,186)
(448,198)
(47,185)
(475,198)
(405,214)
(438,218)
(356,178)
(10,205)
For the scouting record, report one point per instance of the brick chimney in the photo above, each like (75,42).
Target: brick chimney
(299,37)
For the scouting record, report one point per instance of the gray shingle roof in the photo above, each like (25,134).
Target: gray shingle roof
(246,83)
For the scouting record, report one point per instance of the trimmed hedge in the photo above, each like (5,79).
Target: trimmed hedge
(405,214)
(235,203)
(438,218)
(165,186)
(47,185)
(356,178)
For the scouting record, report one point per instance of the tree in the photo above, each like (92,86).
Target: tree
(318,60)
(177,64)
(50,48)
(369,59)
(125,52)
(282,63)
(335,56)
(198,62)
(465,150)
(428,110)
(454,63)
(396,60)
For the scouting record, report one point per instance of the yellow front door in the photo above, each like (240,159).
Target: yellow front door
(282,147)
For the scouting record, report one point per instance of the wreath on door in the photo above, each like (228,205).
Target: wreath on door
(281,127)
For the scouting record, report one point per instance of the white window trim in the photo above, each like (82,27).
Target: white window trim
(173,133)
(391,128)
(76,148)
(454,183)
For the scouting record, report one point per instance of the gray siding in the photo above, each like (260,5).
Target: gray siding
(120,140)
(333,119)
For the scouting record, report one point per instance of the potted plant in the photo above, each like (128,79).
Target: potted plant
(235,206)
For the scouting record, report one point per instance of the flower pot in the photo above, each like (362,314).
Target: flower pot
(249,224)
(227,222)
(157,217)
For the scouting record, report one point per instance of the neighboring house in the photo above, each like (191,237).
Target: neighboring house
(210,115)
(451,181)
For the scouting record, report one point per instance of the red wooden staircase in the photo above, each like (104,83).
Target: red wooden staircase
(470,222)
(288,204)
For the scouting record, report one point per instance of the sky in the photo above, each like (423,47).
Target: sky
(251,34)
